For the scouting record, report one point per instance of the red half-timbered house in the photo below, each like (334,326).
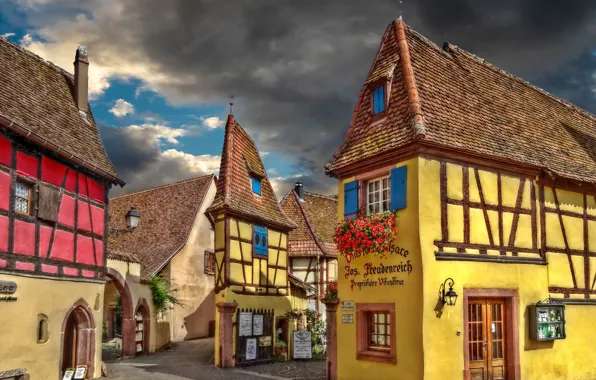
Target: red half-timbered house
(54,182)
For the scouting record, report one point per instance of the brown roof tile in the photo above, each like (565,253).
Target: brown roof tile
(240,157)
(471,105)
(315,218)
(38,96)
(127,256)
(167,214)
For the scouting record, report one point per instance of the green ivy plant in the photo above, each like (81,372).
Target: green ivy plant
(163,295)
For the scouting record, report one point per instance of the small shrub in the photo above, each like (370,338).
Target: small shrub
(163,295)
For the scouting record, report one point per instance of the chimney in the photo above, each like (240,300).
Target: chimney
(81,79)
(299,189)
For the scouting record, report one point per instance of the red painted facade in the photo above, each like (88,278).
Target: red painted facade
(71,247)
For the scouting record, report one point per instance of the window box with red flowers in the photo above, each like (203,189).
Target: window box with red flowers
(365,234)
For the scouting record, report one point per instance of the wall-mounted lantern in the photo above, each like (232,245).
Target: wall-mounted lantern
(450,297)
(132,218)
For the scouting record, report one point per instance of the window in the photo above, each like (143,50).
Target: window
(260,243)
(378,195)
(379,100)
(375,326)
(209,262)
(332,270)
(256,185)
(22,202)
(42,328)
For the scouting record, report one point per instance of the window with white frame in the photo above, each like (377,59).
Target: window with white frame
(378,195)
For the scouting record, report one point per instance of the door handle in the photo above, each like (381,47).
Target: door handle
(485,344)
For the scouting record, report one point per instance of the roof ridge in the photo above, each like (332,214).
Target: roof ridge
(483,62)
(37,57)
(162,186)
(417,118)
(330,197)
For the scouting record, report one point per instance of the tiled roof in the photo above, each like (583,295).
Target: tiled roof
(167,214)
(36,99)
(240,157)
(315,218)
(470,105)
(127,256)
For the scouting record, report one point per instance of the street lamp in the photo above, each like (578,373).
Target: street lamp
(132,218)
(450,297)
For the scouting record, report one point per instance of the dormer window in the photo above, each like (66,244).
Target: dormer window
(256,185)
(379,100)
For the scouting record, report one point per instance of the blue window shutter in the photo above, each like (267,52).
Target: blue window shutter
(256,185)
(399,178)
(379,99)
(350,199)
(260,243)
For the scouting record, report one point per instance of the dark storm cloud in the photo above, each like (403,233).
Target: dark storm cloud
(296,67)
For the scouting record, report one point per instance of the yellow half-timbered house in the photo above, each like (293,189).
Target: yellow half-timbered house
(252,288)
(493,183)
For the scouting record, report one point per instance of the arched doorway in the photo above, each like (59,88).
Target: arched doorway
(78,338)
(125,317)
(143,327)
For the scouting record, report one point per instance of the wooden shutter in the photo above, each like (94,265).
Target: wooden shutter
(49,203)
(260,243)
(350,199)
(398,188)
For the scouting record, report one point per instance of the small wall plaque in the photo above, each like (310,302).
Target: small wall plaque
(8,287)
(68,374)
(347,318)
(347,305)
(80,372)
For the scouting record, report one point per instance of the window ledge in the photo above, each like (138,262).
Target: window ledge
(376,356)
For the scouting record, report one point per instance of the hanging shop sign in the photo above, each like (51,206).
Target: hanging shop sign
(302,344)
(8,287)
(245,324)
(347,318)
(347,305)
(265,341)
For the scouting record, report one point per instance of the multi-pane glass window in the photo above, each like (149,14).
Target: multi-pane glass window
(22,195)
(378,195)
(379,331)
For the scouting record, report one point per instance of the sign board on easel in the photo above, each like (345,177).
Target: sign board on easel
(80,372)
(68,374)
(302,344)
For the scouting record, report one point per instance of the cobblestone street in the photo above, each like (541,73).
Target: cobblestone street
(194,360)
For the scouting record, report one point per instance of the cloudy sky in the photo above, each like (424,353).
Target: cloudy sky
(161,72)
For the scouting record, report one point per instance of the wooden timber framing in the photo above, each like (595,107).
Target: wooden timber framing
(223,278)
(502,247)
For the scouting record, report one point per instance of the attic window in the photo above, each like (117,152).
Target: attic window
(255,184)
(379,99)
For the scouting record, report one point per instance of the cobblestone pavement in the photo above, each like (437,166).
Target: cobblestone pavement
(194,360)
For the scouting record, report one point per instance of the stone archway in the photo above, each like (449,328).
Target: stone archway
(78,338)
(143,309)
(128,322)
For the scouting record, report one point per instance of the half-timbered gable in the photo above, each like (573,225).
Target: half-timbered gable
(312,252)
(497,189)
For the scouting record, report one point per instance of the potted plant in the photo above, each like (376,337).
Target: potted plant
(331,291)
(280,346)
(365,234)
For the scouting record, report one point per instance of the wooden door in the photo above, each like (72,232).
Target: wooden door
(69,354)
(486,339)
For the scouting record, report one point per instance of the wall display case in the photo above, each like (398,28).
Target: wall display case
(547,321)
(139,332)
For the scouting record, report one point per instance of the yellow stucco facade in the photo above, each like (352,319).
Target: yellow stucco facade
(484,229)
(54,299)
